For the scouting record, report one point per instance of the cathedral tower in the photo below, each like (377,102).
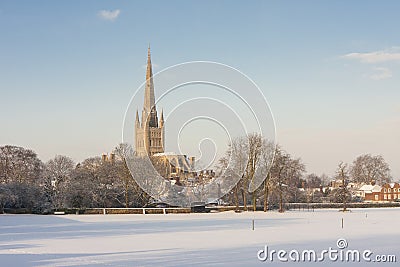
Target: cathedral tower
(149,132)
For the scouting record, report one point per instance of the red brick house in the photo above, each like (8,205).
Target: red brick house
(390,192)
(370,192)
(387,192)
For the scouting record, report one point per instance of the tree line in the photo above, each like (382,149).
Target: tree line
(286,180)
(60,183)
(28,183)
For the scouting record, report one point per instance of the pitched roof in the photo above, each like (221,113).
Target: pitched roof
(370,188)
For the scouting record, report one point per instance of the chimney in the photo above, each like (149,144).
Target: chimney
(112,157)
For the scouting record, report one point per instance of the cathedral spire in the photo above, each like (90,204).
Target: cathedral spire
(137,119)
(149,101)
(162,119)
(149,136)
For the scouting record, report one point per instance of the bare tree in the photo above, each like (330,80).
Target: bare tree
(284,172)
(222,170)
(266,161)
(368,168)
(255,145)
(94,183)
(82,188)
(234,162)
(6,196)
(278,176)
(239,159)
(343,174)
(269,186)
(324,179)
(122,151)
(57,178)
(20,176)
(313,181)
(20,165)
(254,156)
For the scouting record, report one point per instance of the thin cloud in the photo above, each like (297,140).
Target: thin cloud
(382,73)
(376,56)
(109,15)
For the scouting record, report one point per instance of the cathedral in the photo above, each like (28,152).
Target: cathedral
(149,131)
(150,141)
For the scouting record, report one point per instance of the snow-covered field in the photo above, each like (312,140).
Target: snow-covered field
(214,239)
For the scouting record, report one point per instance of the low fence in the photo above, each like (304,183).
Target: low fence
(287,206)
(130,211)
(312,206)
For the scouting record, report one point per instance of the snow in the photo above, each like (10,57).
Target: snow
(370,188)
(224,239)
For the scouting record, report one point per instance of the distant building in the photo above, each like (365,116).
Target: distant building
(369,192)
(149,131)
(390,192)
(110,158)
(386,192)
(150,142)
(176,163)
(337,183)
(180,169)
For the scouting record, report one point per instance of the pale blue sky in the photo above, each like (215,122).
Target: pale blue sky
(329,69)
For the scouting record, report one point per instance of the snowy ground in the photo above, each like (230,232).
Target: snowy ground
(215,239)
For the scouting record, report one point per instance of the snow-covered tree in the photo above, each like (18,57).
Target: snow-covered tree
(57,179)
(367,168)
